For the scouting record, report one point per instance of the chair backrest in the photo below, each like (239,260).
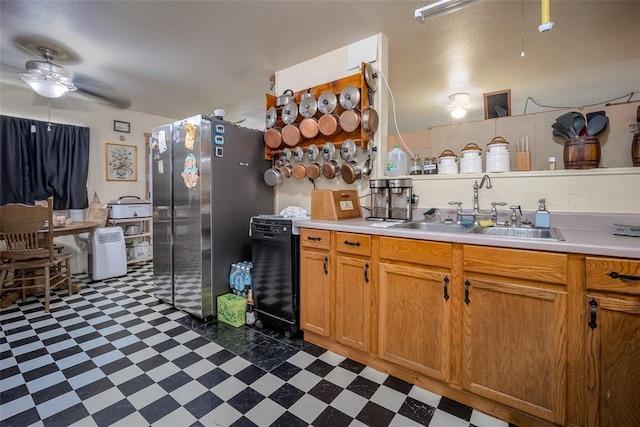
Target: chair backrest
(27,230)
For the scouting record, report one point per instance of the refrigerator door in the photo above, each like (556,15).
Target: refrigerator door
(191,144)
(161,183)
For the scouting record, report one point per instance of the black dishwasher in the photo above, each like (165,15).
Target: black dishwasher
(275,255)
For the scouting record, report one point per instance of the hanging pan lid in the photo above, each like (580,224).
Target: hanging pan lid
(370,77)
(350,97)
(327,102)
(272,116)
(290,112)
(308,105)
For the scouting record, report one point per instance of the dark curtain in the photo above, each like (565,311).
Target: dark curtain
(39,159)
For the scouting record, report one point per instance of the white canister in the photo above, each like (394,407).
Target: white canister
(471,160)
(448,163)
(498,155)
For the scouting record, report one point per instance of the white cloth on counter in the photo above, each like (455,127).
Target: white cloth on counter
(293,212)
(384,224)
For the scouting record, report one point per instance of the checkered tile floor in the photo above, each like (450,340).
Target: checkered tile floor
(114,355)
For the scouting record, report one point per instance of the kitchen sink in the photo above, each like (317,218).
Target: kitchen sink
(431,226)
(525,233)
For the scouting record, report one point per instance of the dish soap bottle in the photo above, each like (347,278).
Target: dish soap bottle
(543,217)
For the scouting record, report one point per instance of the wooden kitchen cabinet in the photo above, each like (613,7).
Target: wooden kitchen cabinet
(353,290)
(612,326)
(415,305)
(514,329)
(315,281)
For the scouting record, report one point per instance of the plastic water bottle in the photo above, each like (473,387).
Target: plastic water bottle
(396,162)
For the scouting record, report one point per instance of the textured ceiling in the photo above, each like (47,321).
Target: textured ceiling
(178,58)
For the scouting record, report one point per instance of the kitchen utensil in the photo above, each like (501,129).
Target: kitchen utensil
(523,156)
(366,169)
(273,137)
(309,127)
(350,172)
(271,117)
(330,168)
(289,112)
(564,131)
(329,124)
(308,105)
(370,116)
(273,177)
(566,120)
(597,125)
(350,120)
(348,150)
(286,97)
(559,134)
(313,169)
(291,134)
(327,102)
(593,114)
(578,123)
(370,77)
(350,97)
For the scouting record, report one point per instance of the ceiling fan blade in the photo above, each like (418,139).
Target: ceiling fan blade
(101,91)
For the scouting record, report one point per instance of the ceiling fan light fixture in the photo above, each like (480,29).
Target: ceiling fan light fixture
(47,79)
(458,104)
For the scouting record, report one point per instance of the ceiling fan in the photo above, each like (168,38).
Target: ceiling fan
(51,80)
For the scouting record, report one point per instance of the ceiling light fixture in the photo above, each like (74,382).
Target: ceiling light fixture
(440,7)
(46,78)
(458,104)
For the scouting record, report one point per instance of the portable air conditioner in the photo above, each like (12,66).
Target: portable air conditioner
(108,253)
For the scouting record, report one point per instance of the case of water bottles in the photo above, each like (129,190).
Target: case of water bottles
(241,278)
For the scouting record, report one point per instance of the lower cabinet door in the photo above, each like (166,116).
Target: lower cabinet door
(513,346)
(613,361)
(414,318)
(353,302)
(315,292)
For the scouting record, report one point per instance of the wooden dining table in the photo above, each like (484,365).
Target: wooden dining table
(75,227)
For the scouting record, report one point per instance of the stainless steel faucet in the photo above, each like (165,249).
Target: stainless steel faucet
(476,187)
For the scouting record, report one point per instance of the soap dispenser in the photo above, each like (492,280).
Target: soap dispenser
(543,218)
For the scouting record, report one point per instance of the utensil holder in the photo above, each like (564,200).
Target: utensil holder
(523,161)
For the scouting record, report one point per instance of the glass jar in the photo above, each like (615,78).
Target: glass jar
(415,165)
(430,166)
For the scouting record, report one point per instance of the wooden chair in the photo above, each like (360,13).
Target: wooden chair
(27,260)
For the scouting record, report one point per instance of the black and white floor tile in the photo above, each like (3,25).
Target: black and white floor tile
(113,355)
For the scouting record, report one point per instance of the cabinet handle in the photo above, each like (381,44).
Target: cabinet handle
(326,265)
(366,273)
(446,291)
(594,314)
(314,239)
(348,243)
(616,275)
(467,284)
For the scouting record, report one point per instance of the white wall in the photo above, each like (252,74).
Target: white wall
(17,101)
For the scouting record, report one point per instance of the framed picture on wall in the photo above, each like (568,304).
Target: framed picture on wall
(497,104)
(121,162)
(120,126)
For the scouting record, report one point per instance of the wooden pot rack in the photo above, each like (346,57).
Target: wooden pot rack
(360,136)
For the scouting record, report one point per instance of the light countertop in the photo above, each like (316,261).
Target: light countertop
(586,238)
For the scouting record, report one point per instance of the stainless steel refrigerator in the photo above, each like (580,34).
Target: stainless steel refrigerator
(207,183)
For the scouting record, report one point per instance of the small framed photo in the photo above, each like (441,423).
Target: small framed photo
(119,126)
(122,162)
(497,104)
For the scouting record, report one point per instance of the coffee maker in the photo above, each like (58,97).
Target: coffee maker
(400,199)
(379,199)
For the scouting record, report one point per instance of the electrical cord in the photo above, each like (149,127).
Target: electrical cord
(393,105)
(628,96)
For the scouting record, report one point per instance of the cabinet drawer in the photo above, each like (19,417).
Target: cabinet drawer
(416,251)
(522,264)
(319,239)
(615,275)
(354,244)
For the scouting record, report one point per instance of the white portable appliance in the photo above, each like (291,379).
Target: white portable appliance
(108,253)
(129,207)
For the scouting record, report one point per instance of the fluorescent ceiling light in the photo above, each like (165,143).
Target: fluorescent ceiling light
(440,7)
